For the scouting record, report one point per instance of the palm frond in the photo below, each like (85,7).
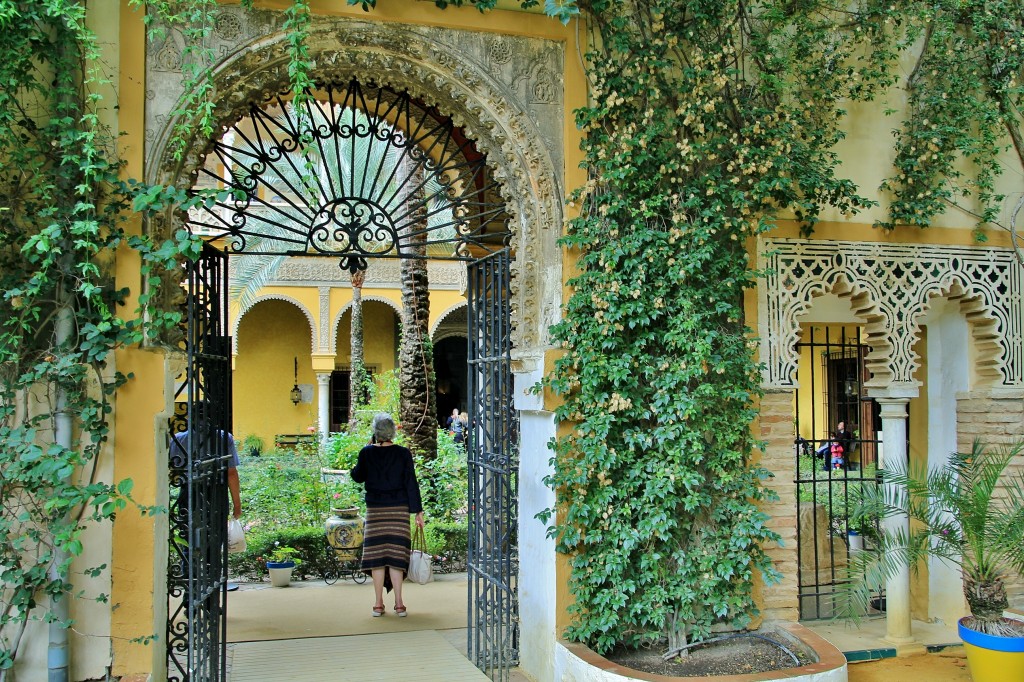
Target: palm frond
(968,513)
(250,273)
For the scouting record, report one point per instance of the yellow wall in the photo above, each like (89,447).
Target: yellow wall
(274,332)
(270,337)
(136,551)
(380,336)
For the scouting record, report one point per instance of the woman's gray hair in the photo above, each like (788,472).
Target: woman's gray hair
(383,427)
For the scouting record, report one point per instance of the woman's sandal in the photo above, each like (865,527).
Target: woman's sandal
(400,610)
(378,611)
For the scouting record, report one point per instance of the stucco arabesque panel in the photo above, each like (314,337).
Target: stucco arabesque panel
(505,91)
(890,287)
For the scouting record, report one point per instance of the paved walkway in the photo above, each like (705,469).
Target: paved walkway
(311,632)
(399,656)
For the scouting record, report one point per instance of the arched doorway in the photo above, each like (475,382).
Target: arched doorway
(354,173)
(450,361)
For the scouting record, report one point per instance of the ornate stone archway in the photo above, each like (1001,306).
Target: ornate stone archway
(890,287)
(502,90)
(505,93)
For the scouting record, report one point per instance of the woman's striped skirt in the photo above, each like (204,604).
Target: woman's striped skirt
(386,541)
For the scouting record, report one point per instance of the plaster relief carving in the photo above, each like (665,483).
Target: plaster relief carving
(325,313)
(228,26)
(383,273)
(890,287)
(449,69)
(168,57)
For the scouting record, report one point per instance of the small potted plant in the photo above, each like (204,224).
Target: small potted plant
(280,563)
(969,513)
(253,445)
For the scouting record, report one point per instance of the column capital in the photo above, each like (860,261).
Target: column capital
(893,408)
(893,391)
(323,378)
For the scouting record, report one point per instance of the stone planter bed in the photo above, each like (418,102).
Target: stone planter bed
(576,663)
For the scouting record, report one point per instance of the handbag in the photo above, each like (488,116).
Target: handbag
(236,537)
(421,564)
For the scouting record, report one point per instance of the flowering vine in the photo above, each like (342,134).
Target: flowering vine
(707,120)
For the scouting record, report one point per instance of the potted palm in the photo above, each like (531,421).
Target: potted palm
(970,513)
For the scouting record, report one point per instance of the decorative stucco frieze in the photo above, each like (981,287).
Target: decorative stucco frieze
(505,91)
(325,314)
(381,272)
(890,286)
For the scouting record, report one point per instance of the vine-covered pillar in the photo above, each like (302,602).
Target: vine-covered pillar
(780,601)
(894,457)
(141,409)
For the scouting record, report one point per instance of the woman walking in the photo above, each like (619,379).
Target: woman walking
(392,493)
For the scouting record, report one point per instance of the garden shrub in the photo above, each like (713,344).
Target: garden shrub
(310,541)
(444,483)
(285,489)
(448,543)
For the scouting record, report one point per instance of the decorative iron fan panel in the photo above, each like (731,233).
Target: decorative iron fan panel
(356,171)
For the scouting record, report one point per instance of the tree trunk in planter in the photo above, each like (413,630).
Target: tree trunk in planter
(987,600)
(357,375)
(416,356)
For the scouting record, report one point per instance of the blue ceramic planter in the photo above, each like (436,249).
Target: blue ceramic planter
(280,564)
(991,658)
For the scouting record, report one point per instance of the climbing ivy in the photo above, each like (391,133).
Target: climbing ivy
(707,120)
(62,218)
(962,125)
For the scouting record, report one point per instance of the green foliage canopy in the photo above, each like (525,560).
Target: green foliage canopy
(62,217)
(707,119)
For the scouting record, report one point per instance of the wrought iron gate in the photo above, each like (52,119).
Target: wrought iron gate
(832,374)
(388,171)
(493,471)
(197,571)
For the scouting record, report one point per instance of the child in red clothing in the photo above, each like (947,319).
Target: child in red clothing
(836,451)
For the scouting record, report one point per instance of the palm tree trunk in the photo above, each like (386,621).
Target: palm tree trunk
(416,355)
(986,599)
(357,375)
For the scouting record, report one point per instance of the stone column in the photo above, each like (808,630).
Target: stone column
(323,402)
(897,588)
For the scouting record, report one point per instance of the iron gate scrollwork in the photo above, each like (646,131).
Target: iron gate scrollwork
(198,461)
(358,171)
(493,471)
